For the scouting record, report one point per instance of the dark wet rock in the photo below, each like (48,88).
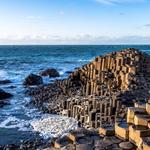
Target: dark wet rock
(10,147)
(51,72)
(85,140)
(69,72)
(68,147)
(4,95)
(84,147)
(5,81)
(126,145)
(114,139)
(113,147)
(1,147)
(103,144)
(33,79)
(51,148)
(32,144)
(12,87)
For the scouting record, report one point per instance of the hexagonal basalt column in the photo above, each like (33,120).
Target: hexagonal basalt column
(121,130)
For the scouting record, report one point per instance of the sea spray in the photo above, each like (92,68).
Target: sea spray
(3,74)
(54,126)
(13,122)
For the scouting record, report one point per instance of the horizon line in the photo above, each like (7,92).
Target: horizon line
(73,44)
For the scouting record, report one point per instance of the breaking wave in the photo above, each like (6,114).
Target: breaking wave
(54,126)
(3,74)
(13,122)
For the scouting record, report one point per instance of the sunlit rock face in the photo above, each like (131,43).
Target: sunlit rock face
(100,91)
(108,85)
(117,71)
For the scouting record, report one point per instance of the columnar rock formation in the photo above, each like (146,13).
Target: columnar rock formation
(98,92)
(115,81)
(115,72)
(91,111)
(132,133)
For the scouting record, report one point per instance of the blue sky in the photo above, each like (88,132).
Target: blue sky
(74,22)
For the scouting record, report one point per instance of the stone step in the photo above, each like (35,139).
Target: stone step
(121,130)
(108,131)
(142,120)
(132,111)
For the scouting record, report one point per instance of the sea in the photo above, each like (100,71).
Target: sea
(17,62)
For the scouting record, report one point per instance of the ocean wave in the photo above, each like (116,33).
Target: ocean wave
(13,122)
(84,60)
(75,61)
(54,126)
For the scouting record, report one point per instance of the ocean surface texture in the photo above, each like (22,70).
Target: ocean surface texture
(16,62)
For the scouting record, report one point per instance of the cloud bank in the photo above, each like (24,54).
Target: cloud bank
(79,39)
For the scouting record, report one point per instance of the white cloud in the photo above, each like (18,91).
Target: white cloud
(78,39)
(114,2)
(31,17)
(147,25)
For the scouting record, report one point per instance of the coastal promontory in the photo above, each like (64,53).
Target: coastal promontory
(110,99)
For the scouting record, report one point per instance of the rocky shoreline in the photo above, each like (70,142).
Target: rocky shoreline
(102,88)
(106,97)
(100,92)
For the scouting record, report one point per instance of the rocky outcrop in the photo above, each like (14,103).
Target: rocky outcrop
(115,72)
(100,91)
(33,79)
(4,95)
(5,81)
(52,73)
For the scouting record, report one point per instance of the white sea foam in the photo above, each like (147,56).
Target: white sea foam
(3,74)
(13,122)
(54,126)
(61,72)
(84,60)
(33,113)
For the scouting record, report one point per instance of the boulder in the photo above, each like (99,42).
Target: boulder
(5,81)
(69,147)
(4,95)
(126,145)
(10,147)
(12,87)
(33,79)
(51,72)
(84,147)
